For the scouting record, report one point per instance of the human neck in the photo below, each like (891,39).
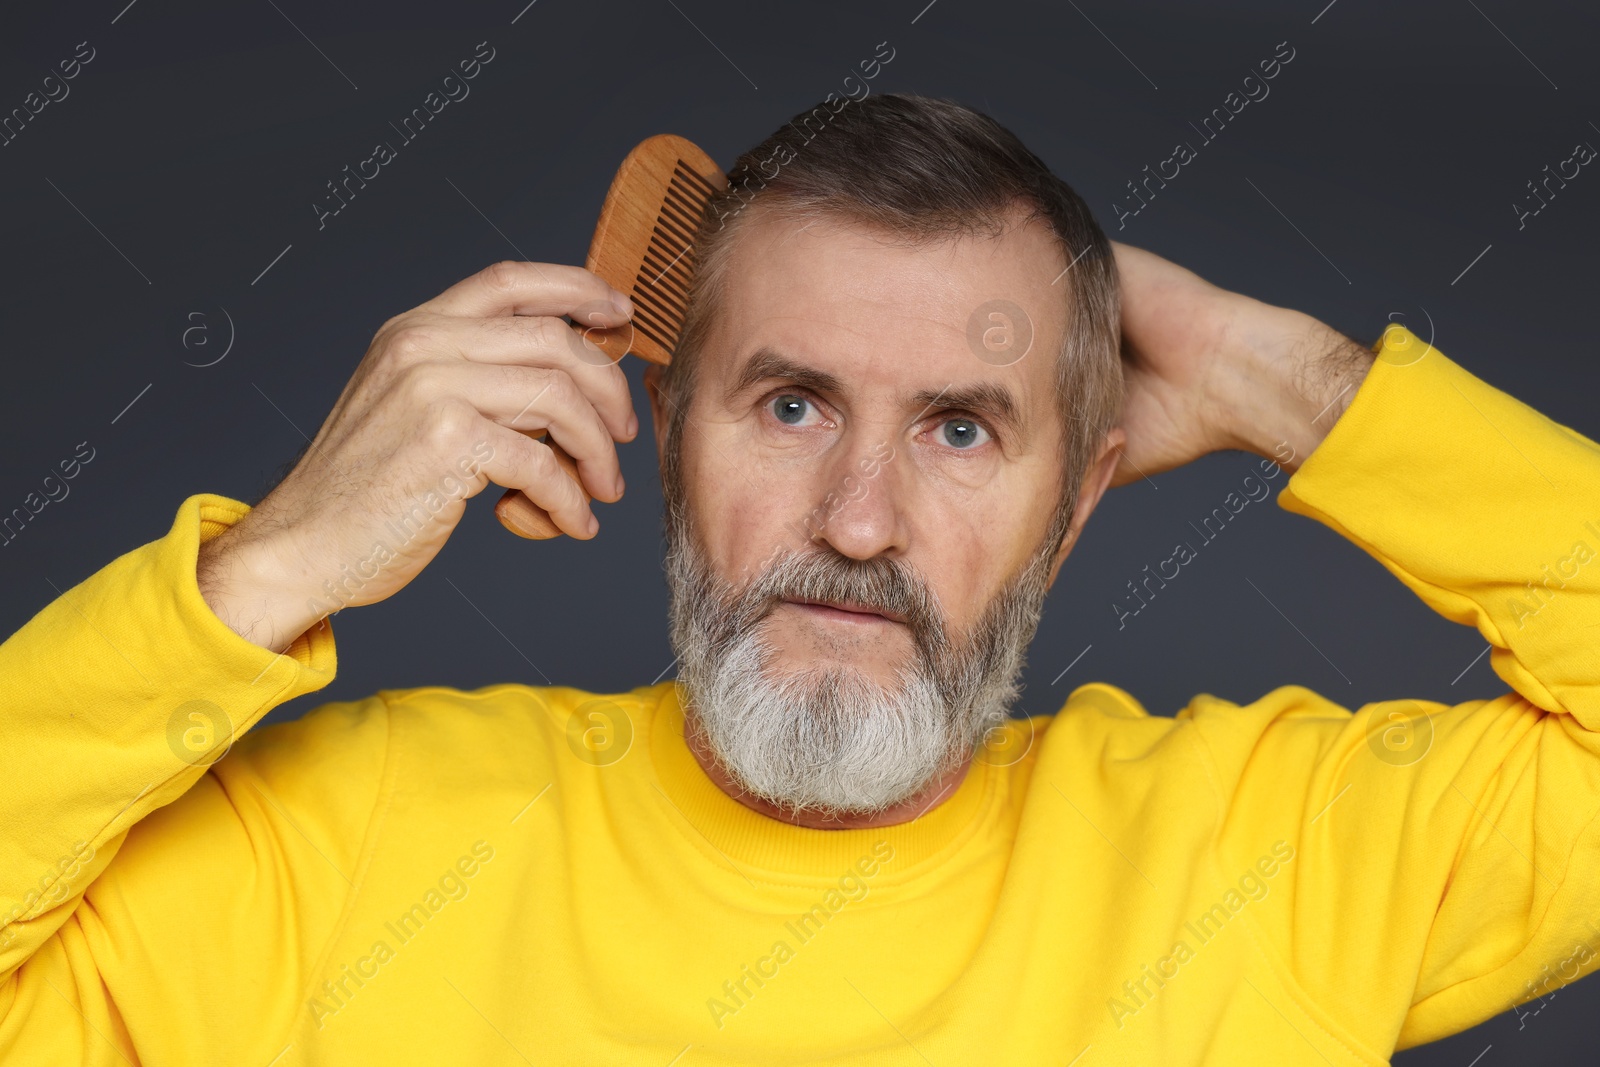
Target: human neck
(918,804)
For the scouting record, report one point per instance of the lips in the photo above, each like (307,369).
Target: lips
(850,607)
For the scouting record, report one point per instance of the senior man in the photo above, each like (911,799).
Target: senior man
(826,842)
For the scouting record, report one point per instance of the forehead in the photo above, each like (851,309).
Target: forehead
(865,304)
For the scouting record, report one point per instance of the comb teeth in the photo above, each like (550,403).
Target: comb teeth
(661,288)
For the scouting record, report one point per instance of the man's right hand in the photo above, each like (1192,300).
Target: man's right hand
(441,406)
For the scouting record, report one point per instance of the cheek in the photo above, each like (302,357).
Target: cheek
(960,561)
(745,507)
(970,540)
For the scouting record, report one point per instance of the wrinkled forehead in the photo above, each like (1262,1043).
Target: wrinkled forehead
(877,308)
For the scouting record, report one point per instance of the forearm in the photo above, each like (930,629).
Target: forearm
(1483,506)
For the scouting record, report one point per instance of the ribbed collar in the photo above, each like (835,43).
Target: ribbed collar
(751,840)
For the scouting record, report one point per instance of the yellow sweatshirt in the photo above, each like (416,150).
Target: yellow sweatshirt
(543,875)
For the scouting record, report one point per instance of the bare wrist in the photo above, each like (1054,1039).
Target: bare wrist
(1300,375)
(238,581)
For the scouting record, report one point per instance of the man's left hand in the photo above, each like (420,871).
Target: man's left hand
(1208,369)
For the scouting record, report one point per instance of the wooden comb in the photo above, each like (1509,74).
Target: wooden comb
(642,246)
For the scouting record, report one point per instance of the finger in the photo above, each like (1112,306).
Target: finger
(526,399)
(519,462)
(542,341)
(572,422)
(513,287)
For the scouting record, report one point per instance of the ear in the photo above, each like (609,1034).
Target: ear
(658,417)
(1095,481)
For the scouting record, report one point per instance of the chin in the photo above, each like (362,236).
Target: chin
(825,737)
(811,671)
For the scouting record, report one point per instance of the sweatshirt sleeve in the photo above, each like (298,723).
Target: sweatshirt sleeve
(1447,855)
(156,865)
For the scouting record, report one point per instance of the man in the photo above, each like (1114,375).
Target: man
(826,842)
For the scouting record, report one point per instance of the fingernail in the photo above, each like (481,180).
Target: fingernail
(619,483)
(623,305)
(594,524)
(633,424)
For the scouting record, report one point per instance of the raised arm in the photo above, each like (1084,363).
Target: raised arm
(1447,854)
(142,881)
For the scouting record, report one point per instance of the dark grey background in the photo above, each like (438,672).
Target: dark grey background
(191,148)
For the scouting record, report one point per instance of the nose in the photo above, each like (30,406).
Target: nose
(859,506)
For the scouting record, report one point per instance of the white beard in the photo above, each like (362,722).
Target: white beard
(828,738)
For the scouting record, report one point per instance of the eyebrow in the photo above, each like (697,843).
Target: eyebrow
(988,399)
(766,364)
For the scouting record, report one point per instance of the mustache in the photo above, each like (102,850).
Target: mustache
(878,583)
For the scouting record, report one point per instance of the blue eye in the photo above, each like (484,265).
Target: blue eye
(790,408)
(964,433)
